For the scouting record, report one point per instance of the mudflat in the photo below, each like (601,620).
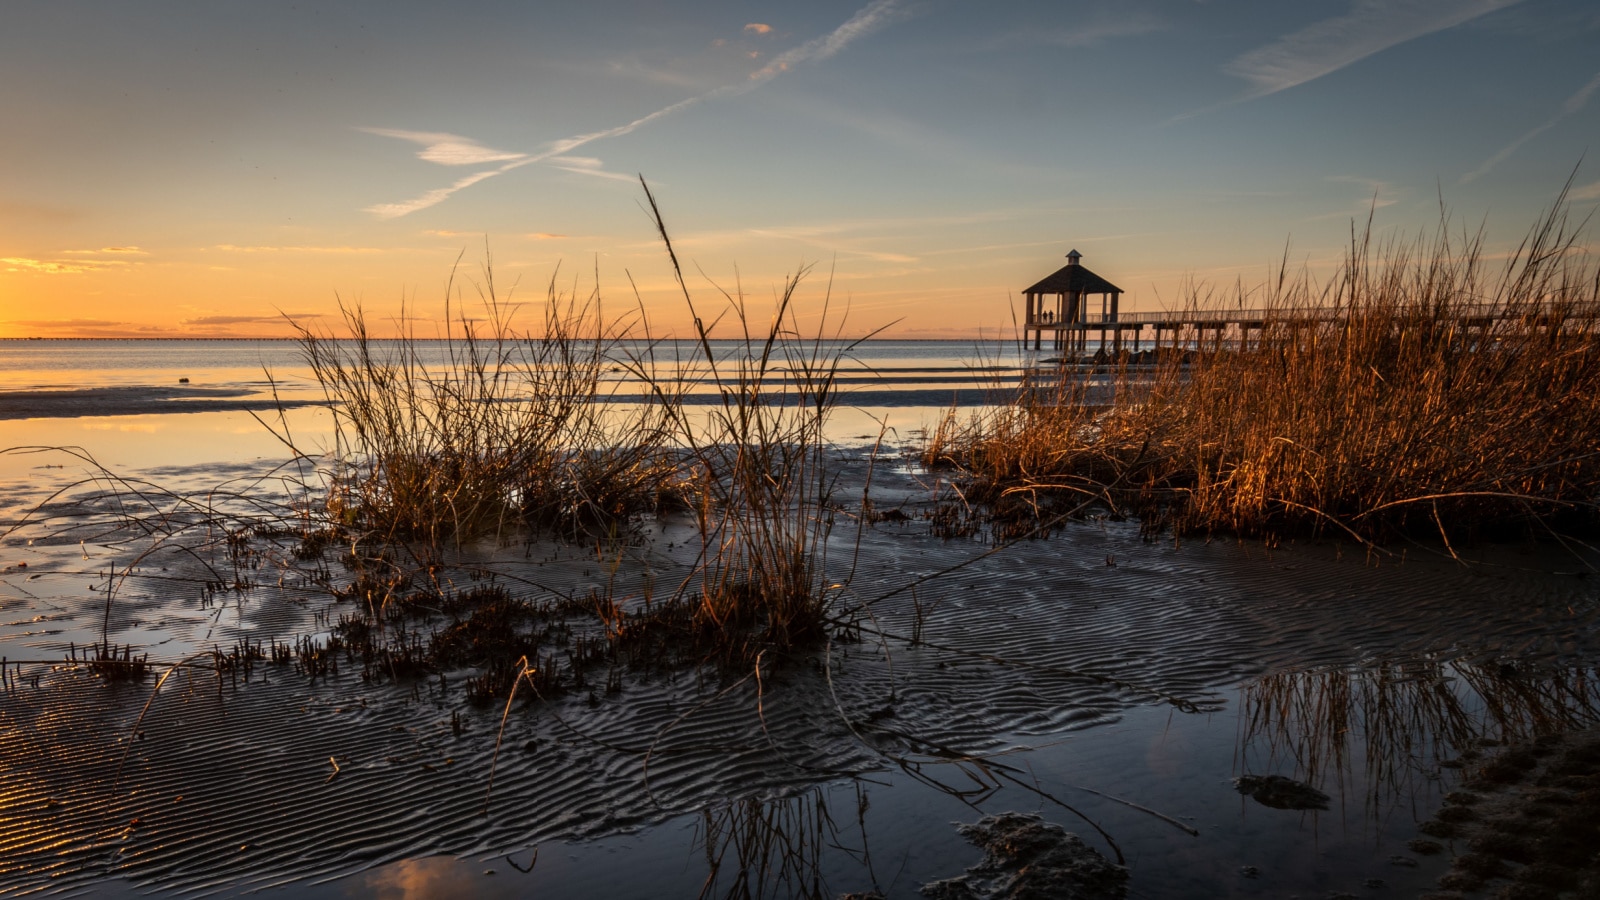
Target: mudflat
(1113,685)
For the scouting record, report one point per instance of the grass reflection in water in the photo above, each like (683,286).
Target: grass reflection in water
(1392,725)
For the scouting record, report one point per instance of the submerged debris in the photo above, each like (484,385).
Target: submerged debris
(1028,859)
(1280,792)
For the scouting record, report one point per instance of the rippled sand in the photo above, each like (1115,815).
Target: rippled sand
(1067,662)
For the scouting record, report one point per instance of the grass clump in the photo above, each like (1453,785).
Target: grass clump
(112,662)
(759,453)
(1421,387)
(487,429)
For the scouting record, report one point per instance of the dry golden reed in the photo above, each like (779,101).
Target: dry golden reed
(488,429)
(759,455)
(1425,384)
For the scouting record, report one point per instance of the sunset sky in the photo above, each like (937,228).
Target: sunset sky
(204,168)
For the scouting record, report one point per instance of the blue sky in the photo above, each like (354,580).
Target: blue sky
(200,168)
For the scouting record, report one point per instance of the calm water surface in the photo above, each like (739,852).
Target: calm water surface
(899,385)
(27,364)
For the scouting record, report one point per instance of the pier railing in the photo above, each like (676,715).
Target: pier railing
(1221,318)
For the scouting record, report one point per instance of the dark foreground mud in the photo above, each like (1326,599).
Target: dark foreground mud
(1110,684)
(1525,824)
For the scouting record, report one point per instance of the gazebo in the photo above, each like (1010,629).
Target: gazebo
(1067,323)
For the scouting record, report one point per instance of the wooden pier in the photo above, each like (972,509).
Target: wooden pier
(1059,313)
(1202,329)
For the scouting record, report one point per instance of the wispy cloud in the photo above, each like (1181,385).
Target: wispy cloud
(1018,245)
(1375,194)
(119,251)
(275,319)
(433,197)
(758,28)
(99,328)
(1091,33)
(866,20)
(77,262)
(1370,27)
(532,236)
(1589,191)
(636,69)
(1573,105)
(587,165)
(57,324)
(842,228)
(832,240)
(59,266)
(448,149)
(235,248)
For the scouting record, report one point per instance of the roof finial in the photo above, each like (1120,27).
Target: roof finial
(1073,257)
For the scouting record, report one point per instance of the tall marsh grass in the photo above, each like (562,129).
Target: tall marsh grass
(490,429)
(1425,385)
(759,449)
(486,430)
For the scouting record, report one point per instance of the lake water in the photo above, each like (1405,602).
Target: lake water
(913,366)
(1109,683)
(130,403)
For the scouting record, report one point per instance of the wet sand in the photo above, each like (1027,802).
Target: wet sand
(138,400)
(1090,661)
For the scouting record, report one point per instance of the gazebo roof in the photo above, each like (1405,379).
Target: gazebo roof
(1073,279)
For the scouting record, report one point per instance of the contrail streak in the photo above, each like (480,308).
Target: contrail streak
(866,20)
